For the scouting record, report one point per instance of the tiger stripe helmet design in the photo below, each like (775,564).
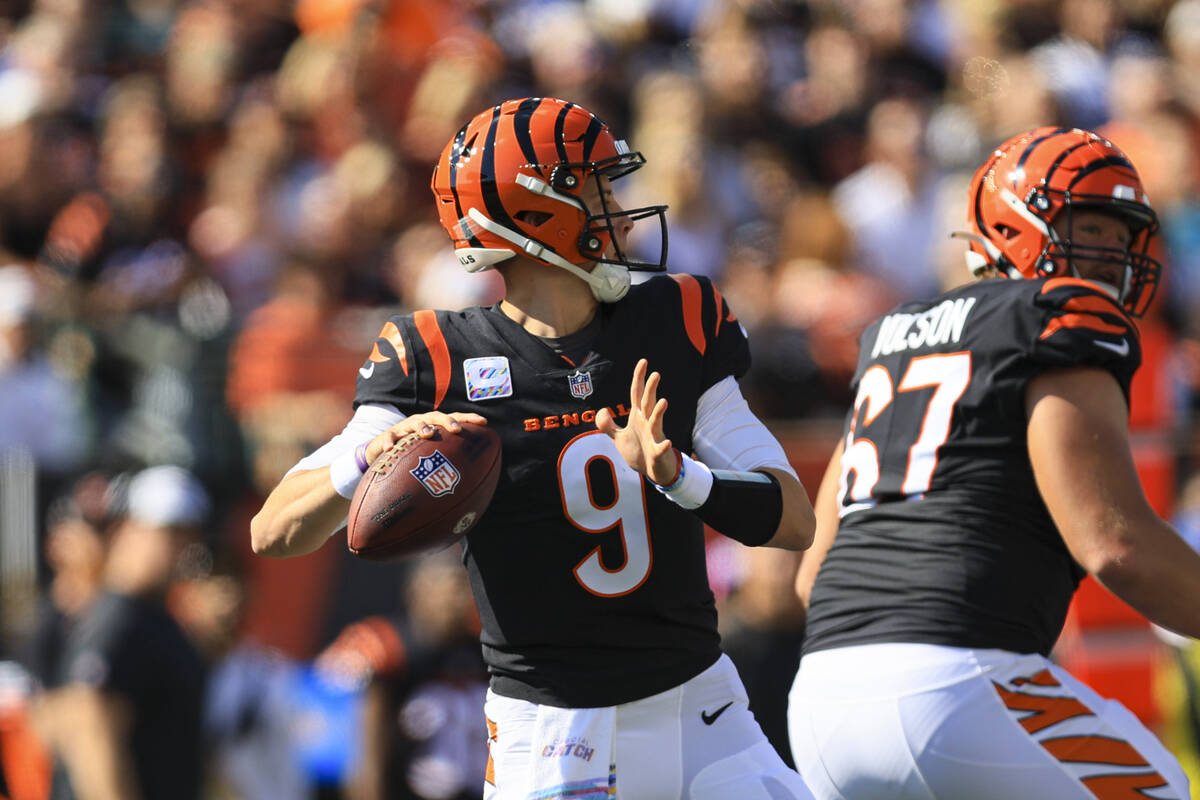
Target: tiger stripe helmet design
(1038,175)
(511,182)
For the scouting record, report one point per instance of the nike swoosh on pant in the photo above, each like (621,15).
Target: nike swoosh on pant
(709,719)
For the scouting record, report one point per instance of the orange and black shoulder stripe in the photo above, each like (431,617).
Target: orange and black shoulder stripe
(1084,305)
(701,299)
(390,334)
(430,331)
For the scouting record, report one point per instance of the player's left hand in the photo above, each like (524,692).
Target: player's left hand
(641,442)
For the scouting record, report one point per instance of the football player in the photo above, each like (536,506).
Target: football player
(598,624)
(985,469)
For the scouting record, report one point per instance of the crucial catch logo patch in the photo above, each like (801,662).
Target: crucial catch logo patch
(488,378)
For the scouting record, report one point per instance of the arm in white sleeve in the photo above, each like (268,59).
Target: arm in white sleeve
(369,420)
(742,484)
(727,434)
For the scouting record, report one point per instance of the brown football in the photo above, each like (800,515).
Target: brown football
(424,494)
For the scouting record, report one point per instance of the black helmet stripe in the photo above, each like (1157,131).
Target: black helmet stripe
(455,154)
(590,136)
(1033,145)
(980,223)
(1061,158)
(559,124)
(1099,164)
(521,118)
(487,177)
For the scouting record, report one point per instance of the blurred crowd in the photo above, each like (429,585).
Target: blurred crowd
(207,210)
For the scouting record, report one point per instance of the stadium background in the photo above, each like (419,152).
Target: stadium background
(207,209)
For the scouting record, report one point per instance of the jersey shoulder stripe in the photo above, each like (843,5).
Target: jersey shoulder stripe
(703,308)
(430,331)
(391,335)
(693,310)
(1076,303)
(724,314)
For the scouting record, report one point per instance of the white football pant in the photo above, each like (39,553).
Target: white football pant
(922,722)
(664,748)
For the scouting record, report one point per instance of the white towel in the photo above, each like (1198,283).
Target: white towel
(572,751)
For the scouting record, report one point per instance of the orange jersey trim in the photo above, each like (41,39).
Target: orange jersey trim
(689,289)
(1092,303)
(439,352)
(391,334)
(719,301)
(1058,283)
(1080,321)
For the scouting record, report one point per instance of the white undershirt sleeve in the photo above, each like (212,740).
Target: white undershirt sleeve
(727,434)
(369,420)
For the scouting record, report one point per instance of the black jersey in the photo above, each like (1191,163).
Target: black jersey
(591,586)
(944,538)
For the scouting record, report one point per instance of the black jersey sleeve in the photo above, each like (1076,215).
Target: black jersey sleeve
(712,329)
(1082,326)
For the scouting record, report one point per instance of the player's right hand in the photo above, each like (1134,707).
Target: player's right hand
(423,425)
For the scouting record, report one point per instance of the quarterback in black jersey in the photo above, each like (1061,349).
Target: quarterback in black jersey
(985,468)
(598,624)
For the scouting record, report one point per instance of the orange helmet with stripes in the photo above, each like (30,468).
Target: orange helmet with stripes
(511,182)
(1038,176)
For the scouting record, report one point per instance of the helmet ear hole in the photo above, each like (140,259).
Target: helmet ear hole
(533,218)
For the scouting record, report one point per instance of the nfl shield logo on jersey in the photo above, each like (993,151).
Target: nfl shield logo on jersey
(436,474)
(581,384)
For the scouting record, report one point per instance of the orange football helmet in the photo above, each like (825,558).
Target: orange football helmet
(510,182)
(1038,175)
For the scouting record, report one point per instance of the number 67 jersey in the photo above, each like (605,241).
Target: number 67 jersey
(944,538)
(591,586)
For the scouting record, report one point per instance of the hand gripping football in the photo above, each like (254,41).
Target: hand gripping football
(423,495)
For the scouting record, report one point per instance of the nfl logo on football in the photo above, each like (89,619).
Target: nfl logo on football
(581,384)
(436,474)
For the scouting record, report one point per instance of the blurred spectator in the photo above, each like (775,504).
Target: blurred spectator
(1181,33)
(41,409)
(250,726)
(888,204)
(125,716)
(423,736)
(77,531)
(77,527)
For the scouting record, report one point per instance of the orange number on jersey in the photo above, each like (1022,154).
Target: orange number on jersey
(627,511)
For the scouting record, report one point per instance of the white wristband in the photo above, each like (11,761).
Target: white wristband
(344,474)
(693,485)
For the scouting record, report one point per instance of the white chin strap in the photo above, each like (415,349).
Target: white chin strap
(608,282)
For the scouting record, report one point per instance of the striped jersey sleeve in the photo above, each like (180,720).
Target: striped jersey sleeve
(1082,326)
(396,367)
(712,329)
